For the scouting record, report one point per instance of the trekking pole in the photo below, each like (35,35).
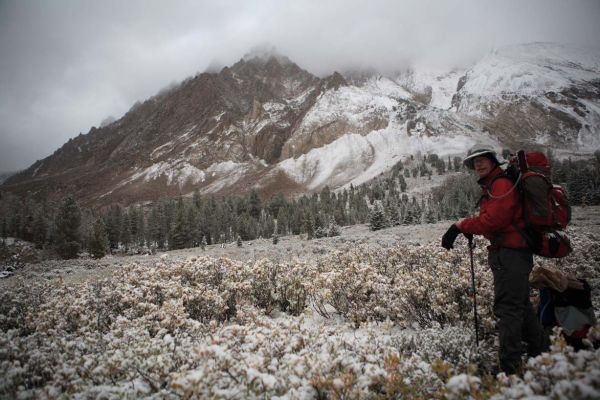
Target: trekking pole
(471,246)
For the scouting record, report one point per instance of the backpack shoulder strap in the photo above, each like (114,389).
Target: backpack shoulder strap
(500,176)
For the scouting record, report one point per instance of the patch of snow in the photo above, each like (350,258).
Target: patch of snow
(530,69)
(443,83)
(301,98)
(160,150)
(36,170)
(355,159)
(228,173)
(218,117)
(272,107)
(354,104)
(176,171)
(186,134)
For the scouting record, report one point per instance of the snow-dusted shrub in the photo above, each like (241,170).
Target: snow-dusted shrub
(18,305)
(284,286)
(452,344)
(407,284)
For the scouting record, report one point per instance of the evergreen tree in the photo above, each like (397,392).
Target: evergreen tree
(193,227)
(239,241)
(334,228)
(254,205)
(141,228)
(430,215)
(377,218)
(125,238)
(3,228)
(320,226)
(40,229)
(394,214)
(283,221)
(68,221)
(155,225)
(99,241)
(440,167)
(457,164)
(203,243)
(113,226)
(309,226)
(179,236)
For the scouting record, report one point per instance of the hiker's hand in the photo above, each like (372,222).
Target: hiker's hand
(449,237)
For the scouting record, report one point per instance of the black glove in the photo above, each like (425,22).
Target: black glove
(449,237)
(469,236)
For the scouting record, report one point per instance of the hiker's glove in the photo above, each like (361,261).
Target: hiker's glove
(469,236)
(449,237)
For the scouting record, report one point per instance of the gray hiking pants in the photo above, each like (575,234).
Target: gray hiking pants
(516,318)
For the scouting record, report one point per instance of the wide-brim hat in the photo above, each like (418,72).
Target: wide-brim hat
(480,152)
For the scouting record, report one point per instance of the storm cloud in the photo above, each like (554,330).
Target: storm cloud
(67,65)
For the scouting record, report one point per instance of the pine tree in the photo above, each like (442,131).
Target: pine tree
(334,228)
(377,218)
(457,164)
(430,215)
(203,243)
(125,238)
(4,229)
(99,241)
(394,214)
(309,226)
(141,228)
(254,205)
(193,227)
(155,227)
(239,241)
(68,221)
(113,226)
(179,235)
(40,229)
(320,227)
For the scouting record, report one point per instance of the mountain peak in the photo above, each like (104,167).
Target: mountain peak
(264,55)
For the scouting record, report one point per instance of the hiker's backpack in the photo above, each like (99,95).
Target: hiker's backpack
(571,309)
(546,210)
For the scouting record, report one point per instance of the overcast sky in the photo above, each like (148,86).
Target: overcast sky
(66,65)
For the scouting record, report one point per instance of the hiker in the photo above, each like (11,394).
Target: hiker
(509,257)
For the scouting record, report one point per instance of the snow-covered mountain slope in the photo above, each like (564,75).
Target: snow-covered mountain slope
(434,87)
(531,69)
(355,159)
(536,93)
(264,123)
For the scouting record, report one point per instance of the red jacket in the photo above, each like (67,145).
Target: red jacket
(499,210)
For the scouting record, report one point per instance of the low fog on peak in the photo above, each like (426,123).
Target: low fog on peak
(66,66)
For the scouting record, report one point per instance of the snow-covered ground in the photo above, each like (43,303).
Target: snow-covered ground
(384,314)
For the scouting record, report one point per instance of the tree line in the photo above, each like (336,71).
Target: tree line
(199,220)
